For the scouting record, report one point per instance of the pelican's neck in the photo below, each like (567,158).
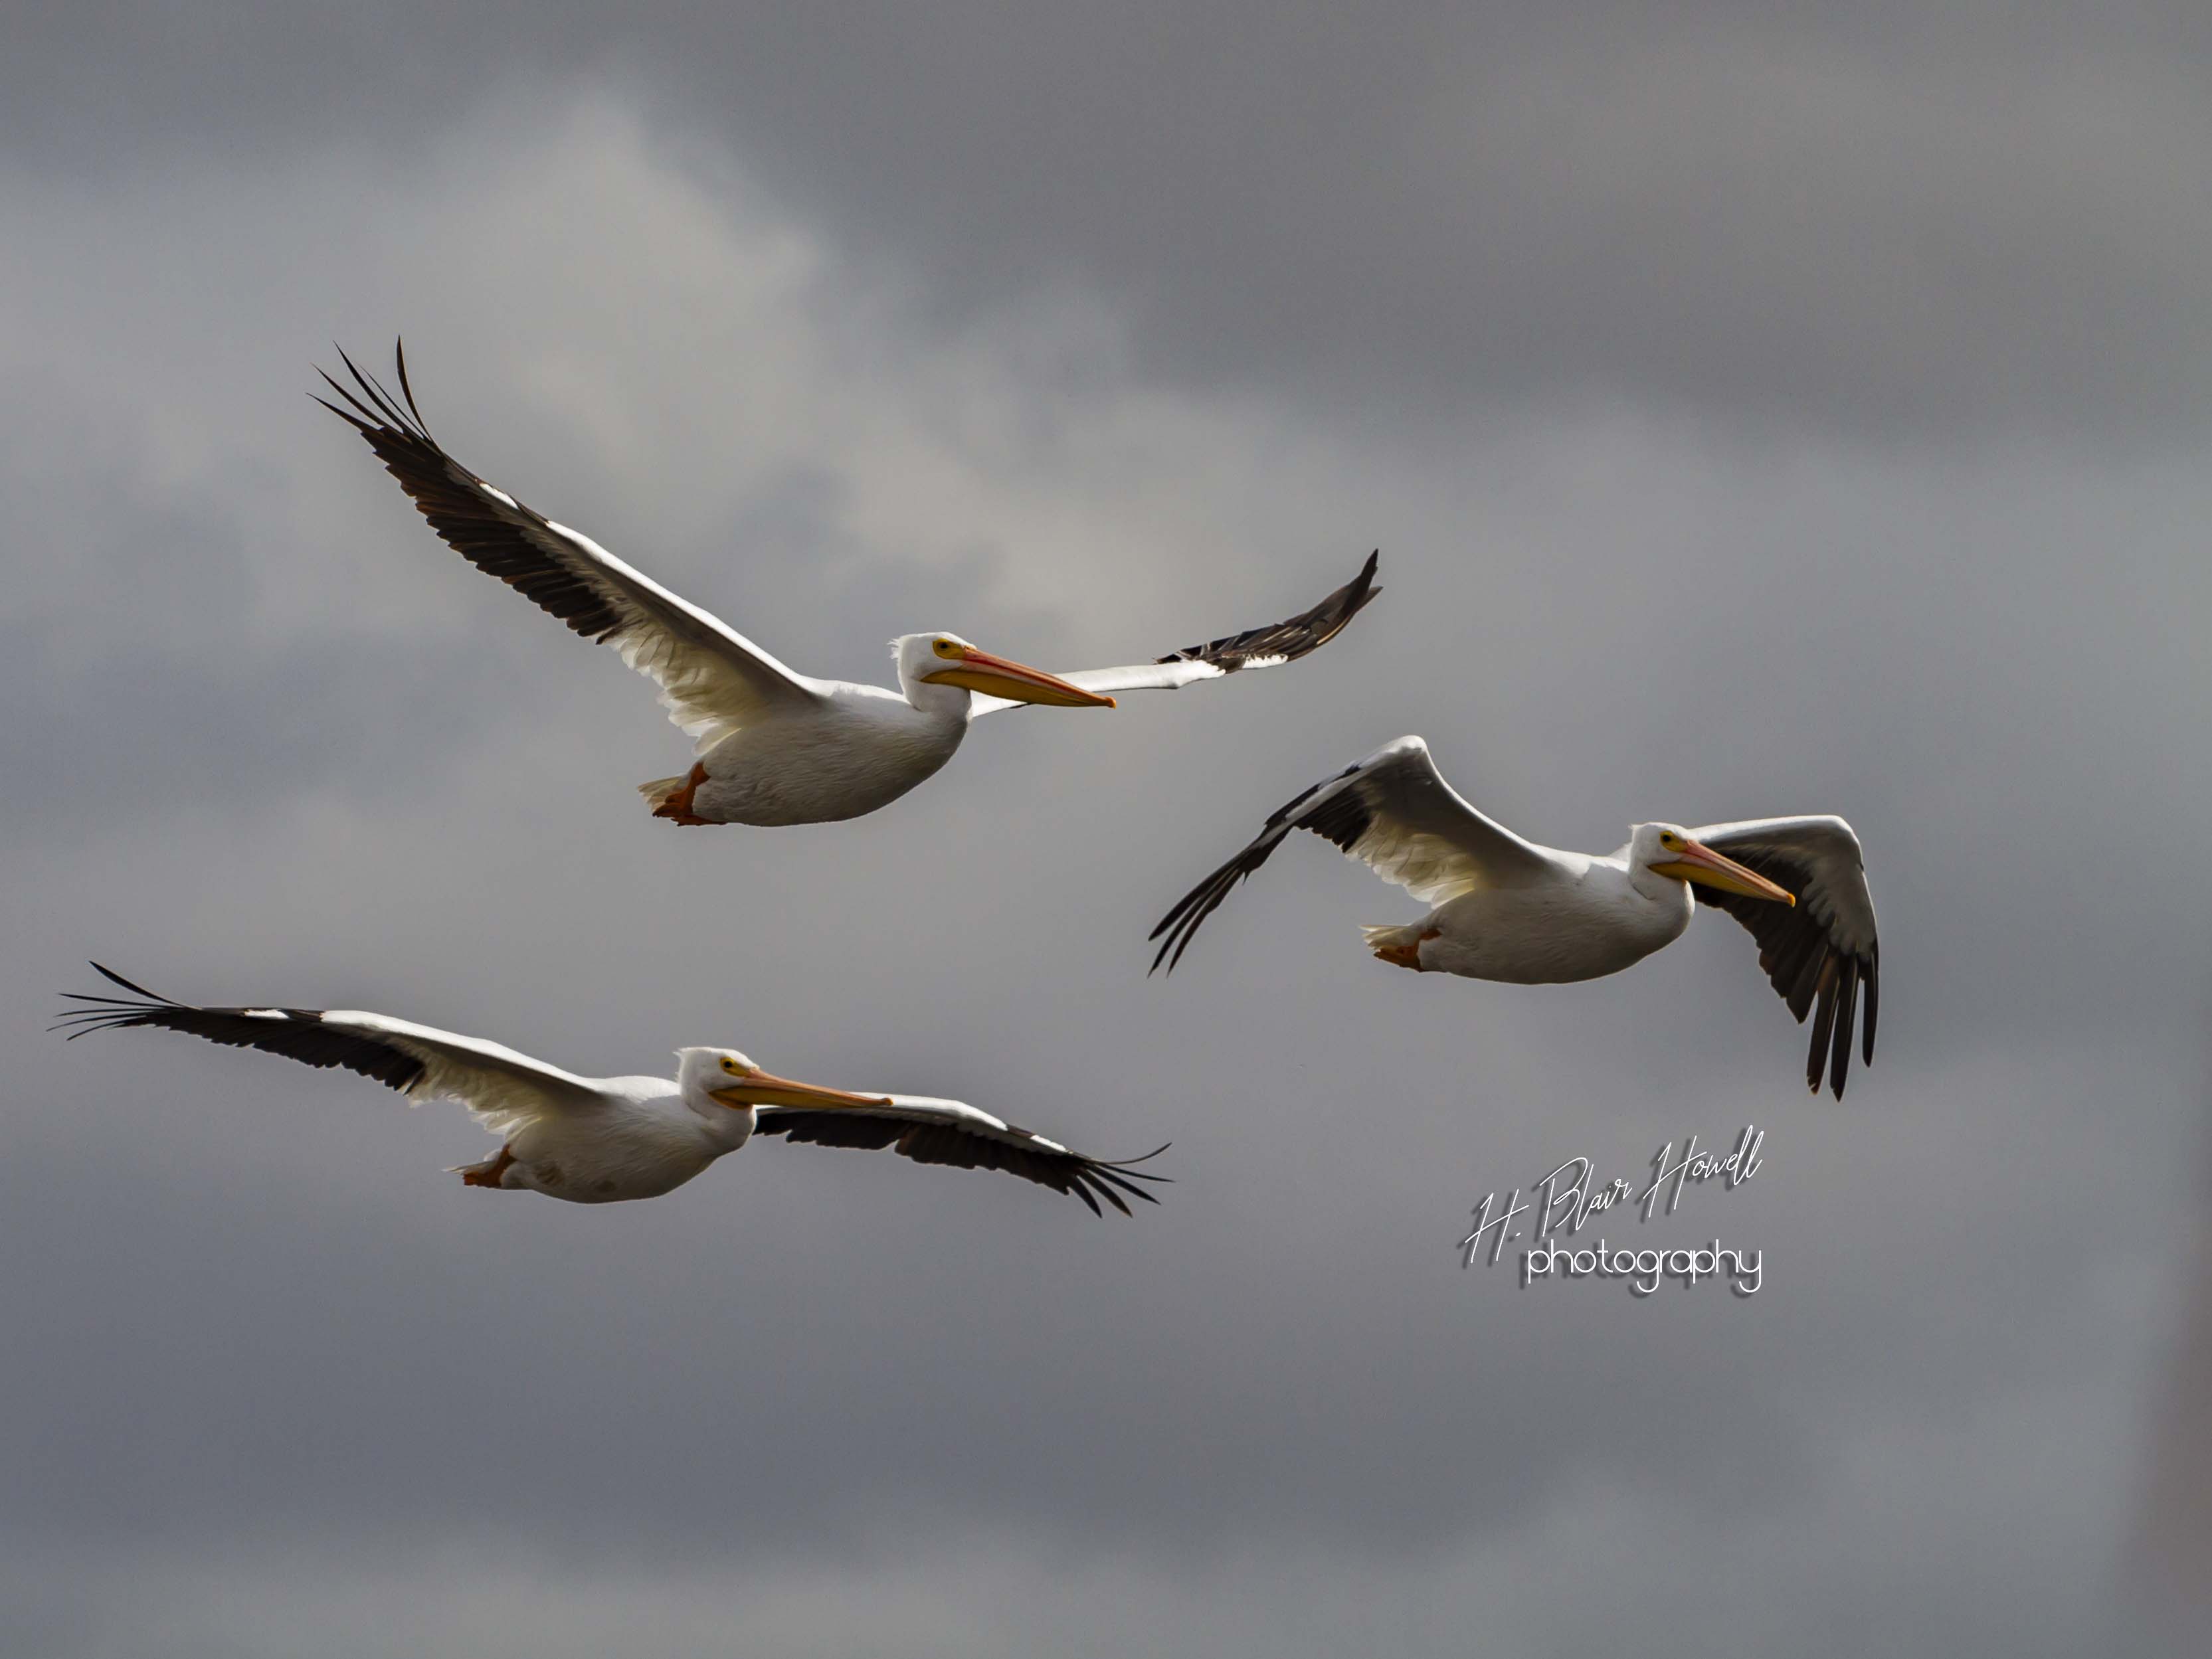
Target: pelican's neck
(1643,849)
(1649,885)
(721,1128)
(941,705)
(1663,905)
(947,705)
(698,1071)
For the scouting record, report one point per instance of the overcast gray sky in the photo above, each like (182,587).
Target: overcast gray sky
(1758,413)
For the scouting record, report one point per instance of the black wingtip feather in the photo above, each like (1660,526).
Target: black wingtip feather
(1815,977)
(1824,1022)
(1112,1177)
(1181,924)
(387,406)
(364,417)
(489,528)
(1871,971)
(351,420)
(1342,819)
(1064,1171)
(399,357)
(1126,1163)
(110,975)
(1839,1056)
(299,1034)
(1292,638)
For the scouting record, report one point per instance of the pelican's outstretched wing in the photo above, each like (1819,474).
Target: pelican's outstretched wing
(952,1131)
(1394,812)
(713,680)
(1255,648)
(504,1089)
(1819,952)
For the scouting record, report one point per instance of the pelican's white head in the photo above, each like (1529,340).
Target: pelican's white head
(714,1080)
(936,671)
(1667,851)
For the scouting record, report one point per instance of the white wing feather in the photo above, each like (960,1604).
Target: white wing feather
(712,679)
(1268,646)
(1421,835)
(503,1087)
(926,1108)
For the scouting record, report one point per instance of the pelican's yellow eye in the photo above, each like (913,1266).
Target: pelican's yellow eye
(729,1065)
(945,648)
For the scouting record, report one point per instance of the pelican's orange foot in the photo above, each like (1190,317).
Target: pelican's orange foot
(676,809)
(488,1173)
(1406,955)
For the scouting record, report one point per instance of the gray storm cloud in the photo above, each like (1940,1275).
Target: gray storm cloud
(1756,414)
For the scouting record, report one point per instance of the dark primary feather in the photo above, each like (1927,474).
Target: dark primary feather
(950,1143)
(1286,641)
(301,1035)
(1343,819)
(1801,959)
(495,537)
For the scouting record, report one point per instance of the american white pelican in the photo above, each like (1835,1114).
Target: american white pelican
(602,1140)
(1505,909)
(772,745)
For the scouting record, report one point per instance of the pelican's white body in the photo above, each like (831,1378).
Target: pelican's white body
(644,1140)
(855,749)
(1585,918)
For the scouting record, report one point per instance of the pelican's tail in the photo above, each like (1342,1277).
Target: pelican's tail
(660,792)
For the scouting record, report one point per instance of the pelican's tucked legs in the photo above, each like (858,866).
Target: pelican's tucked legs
(492,1172)
(1401,946)
(676,802)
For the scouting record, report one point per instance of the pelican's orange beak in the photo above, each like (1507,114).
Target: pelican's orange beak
(1001,677)
(1697,862)
(762,1089)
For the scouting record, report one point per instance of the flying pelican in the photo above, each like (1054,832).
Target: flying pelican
(602,1140)
(1505,909)
(772,745)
